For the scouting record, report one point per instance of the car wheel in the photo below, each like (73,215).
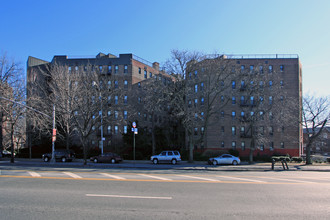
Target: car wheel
(46,159)
(63,159)
(235,163)
(155,161)
(214,162)
(113,160)
(173,161)
(95,160)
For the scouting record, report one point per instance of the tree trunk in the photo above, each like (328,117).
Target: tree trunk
(308,154)
(251,152)
(12,160)
(191,149)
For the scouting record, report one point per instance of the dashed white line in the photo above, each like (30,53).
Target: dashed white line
(200,178)
(113,176)
(72,175)
(155,177)
(128,197)
(34,174)
(244,179)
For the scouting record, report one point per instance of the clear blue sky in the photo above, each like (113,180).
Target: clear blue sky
(151,28)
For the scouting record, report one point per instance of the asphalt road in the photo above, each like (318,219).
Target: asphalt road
(71,193)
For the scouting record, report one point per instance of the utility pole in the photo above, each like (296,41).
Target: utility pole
(53,137)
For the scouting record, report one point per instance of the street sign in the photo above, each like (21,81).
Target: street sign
(135,131)
(134,124)
(54,132)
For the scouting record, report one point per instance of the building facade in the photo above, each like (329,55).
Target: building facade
(248,103)
(123,100)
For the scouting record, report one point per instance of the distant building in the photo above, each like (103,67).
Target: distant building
(321,145)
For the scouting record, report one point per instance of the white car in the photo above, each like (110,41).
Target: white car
(167,156)
(224,159)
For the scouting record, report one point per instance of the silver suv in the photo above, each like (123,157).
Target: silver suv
(167,157)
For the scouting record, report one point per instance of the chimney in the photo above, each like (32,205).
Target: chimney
(155,65)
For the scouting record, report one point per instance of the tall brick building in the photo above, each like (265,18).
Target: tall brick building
(259,104)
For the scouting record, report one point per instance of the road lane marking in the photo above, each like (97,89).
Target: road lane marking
(244,179)
(129,197)
(155,177)
(291,180)
(200,178)
(72,175)
(34,174)
(113,176)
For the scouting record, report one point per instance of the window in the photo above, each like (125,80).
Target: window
(233,84)
(262,147)
(109,129)
(261,114)
(222,98)
(282,68)
(222,144)
(93,128)
(109,99)
(202,86)
(196,73)
(233,100)
(116,68)
(233,130)
(145,73)
(109,69)
(196,116)
(116,99)
(261,84)
(281,83)
(270,100)
(271,130)
(196,102)
(252,100)
(109,84)
(189,74)
(195,131)
(189,103)
(139,85)
(242,84)
(251,68)
(271,148)
(233,145)
(150,74)
(139,100)
(242,68)
(139,70)
(261,100)
(202,115)
(196,88)
(243,145)
(125,129)
(270,116)
(261,69)
(261,130)
(282,145)
(100,69)
(125,114)
(85,68)
(125,99)
(116,114)
(202,101)
(125,84)
(76,68)
(233,114)
(242,114)
(125,68)
(270,84)
(222,129)
(116,129)
(69,69)
(270,69)
(109,113)
(242,100)
(242,130)
(116,84)
(222,114)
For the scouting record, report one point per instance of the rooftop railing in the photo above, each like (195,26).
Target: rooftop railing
(255,56)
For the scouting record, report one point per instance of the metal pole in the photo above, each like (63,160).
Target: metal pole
(101,125)
(53,140)
(134,147)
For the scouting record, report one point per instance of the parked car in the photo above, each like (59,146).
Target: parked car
(224,159)
(6,153)
(60,154)
(107,158)
(166,156)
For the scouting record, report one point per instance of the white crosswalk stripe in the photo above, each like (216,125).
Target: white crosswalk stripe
(72,175)
(154,177)
(34,174)
(113,176)
(200,178)
(244,179)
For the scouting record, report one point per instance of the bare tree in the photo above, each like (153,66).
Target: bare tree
(316,115)
(11,88)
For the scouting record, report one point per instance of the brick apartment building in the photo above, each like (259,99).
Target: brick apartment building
(260,104)
(126,75)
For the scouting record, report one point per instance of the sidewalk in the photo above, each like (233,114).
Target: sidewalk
(183,165)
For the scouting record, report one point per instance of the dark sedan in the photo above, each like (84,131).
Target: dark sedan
(107,158)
